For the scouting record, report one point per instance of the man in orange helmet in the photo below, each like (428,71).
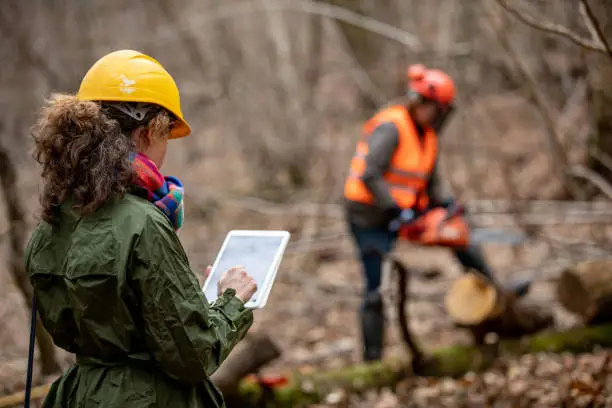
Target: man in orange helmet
(393,178)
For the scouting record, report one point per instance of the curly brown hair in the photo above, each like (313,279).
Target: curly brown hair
(83,148)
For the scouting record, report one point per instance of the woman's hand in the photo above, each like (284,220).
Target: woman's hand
(237,278)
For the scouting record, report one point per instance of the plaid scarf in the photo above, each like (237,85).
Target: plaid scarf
(165,192)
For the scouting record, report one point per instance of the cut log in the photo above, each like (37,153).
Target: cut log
(585,289)
(451,361)
(475,304)
(471,300)
(255,351)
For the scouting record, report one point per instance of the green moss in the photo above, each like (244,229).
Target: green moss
(576,340)
(455,360)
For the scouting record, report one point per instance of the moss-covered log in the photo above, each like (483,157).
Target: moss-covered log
(452,361)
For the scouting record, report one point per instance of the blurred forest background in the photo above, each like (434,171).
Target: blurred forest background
(276,92)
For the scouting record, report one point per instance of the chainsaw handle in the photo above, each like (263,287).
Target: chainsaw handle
(452,210)
(407,215)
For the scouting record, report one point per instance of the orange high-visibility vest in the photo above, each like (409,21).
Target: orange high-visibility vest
(410,167)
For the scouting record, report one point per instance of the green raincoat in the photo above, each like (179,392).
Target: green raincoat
(116,289)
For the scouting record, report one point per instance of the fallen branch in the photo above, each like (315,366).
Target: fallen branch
(392,265)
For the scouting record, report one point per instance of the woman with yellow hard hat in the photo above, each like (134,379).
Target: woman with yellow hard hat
(111,278)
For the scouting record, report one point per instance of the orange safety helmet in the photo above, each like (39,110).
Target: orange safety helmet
(431,84)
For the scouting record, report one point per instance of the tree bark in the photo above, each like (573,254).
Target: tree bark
(15,215)
(586,290)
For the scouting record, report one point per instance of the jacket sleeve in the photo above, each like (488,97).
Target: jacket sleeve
(381,146)
(187,337)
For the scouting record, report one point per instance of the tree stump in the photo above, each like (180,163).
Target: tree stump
(476,304)
(585,289)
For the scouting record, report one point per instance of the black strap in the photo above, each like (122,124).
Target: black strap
(28,389)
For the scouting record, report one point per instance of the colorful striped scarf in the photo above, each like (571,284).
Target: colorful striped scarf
(165,192)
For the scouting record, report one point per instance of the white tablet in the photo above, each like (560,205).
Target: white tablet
(260,252)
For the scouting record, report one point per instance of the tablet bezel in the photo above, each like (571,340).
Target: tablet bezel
(262,299)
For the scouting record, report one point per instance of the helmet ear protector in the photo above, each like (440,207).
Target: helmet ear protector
(135,110)
(142,112)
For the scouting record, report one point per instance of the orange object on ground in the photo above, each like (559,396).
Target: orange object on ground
(269,381)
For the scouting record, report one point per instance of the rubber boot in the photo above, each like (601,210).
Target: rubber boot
(372,326)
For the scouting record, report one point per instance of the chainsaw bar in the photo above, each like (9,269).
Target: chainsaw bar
(488,235)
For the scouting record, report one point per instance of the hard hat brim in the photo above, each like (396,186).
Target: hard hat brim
(180,130)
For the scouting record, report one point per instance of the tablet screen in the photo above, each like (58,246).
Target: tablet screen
(256,253)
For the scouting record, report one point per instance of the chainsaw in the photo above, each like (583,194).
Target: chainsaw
(447,227)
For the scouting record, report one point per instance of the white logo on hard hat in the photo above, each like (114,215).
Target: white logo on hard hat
(125,85)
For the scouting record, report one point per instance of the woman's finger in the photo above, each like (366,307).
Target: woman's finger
(207,271)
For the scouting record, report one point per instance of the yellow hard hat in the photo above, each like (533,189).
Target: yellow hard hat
(131,76)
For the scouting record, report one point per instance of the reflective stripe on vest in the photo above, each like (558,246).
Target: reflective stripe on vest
(410,166)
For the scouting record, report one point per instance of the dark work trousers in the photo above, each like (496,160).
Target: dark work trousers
(371,311)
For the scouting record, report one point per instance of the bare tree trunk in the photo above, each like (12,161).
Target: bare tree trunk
(15,215)
(600,89)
